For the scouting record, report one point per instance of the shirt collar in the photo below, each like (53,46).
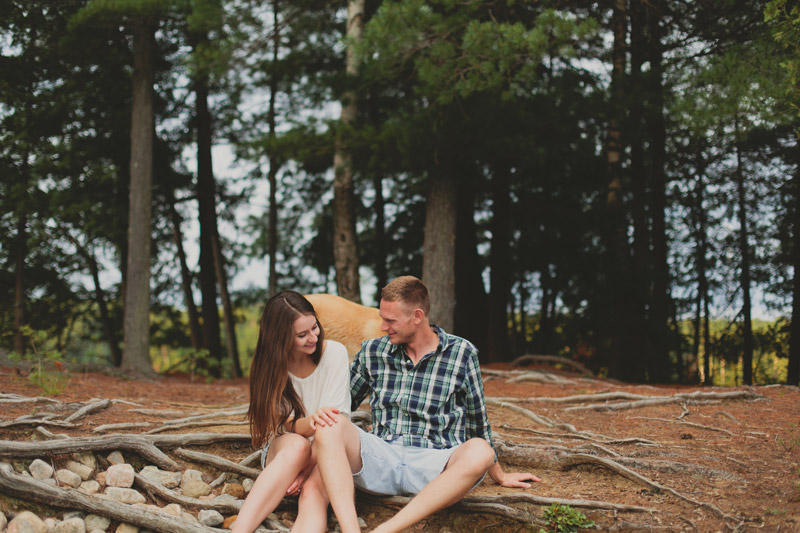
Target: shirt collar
(399,349)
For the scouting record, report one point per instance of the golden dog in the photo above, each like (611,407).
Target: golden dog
(346,321)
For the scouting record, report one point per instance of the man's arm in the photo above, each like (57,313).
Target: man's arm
(359,386)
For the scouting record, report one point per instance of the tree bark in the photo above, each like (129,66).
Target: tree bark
(500,265)
(744,250)
(660,364)
(272,176)
(793,370)
(20,252)
(471,310)
(345,241)
(620,360)
(195,332)
(438,263)
(227,308)
(206,198)
(136,355)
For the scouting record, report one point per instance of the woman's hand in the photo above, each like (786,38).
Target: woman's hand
(324,416)
(297,484)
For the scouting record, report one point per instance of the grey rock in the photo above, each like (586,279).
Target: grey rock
(123,495)
(81,469)
(50,481)
(115,458)
(68,477)
(169,480)
(72,514)
(226,498)
(209,517)
(27,522)
(173,509)
(96,522)
(3,522)
(40,470)
(119,476)
(127,528)
(189,517)
(248,484)
(86,458)
(50,524)
(194,488)
(73,525)
(90,487)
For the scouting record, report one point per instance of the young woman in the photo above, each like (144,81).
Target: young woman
(298,381)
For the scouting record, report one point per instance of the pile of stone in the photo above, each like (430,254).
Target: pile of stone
(115,483)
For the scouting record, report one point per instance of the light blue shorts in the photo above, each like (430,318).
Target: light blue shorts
(389,468)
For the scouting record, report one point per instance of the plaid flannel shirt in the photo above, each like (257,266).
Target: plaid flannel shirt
(438,403)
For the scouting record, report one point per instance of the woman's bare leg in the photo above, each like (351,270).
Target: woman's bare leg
(287,456)
(312,506)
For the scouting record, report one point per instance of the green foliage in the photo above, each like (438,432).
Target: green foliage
(791,439)
(48,372)
(564,519)
(784,17)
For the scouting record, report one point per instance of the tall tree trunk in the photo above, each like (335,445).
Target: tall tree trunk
(500,265)
(20,252)
(702,268)
(438,263)
(545,332)
(744,250)
(661,366)
(136,355)
(620,360)
(272,177)
(206,199)
(227,308)
(793,370)
(345,247)
(471,314)
(641,234)
(379,208)
(707,351)
(195,333)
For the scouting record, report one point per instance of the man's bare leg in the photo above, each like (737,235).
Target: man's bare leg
(468,463)
(338,448)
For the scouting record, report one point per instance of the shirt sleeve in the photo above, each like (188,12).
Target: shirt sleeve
(477,416)
(337,391)
(359,386)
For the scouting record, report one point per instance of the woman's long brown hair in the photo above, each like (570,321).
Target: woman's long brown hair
(272,396)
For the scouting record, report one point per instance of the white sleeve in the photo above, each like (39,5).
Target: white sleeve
(336,392)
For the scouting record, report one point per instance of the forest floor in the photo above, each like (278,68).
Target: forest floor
(706,464)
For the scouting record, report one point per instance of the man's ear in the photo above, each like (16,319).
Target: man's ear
(419,315)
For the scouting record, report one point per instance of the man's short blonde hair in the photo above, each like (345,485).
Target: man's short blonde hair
(409,291)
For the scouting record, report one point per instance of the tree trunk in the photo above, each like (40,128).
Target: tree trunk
(500,265)
(620,360)
(381,274)
(136,355)
(195,332)
(702,279)
(661,366)
(272,177)
(793,370)
(471,314)
(206,199)
(438,263)
(744,250)
(227,308)
(545,332)
(20,252)
(345,248)
(640,289)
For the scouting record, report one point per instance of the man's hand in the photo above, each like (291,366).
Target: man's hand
(517,480)
(324,416)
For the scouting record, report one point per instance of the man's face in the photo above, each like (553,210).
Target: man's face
(398,321)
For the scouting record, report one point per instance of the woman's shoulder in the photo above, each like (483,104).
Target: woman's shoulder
(335,347)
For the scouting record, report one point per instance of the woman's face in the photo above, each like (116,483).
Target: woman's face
(306,335)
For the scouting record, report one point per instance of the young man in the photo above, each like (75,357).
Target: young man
(430,435)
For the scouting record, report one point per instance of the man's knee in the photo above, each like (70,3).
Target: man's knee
(474,454)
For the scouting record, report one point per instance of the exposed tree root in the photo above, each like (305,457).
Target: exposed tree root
(123,426)
(691,397)
(684,423)
(217,462)
(156,489)
(27,488)
(196,424)
(541,500)
(553,359)
(541,377)
(88,409)
(137,443)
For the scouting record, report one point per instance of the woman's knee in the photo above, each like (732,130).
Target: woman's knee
(293,447)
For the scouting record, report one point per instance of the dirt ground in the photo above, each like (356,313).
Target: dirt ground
(740,456)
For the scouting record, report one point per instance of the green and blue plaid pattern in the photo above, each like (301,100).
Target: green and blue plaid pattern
(438,403)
